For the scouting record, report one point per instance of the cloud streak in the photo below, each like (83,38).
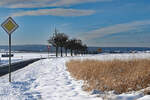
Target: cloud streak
(44,3)
(118,28)
(54,12)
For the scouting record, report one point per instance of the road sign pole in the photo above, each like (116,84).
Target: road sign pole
(9,57)
(9,26)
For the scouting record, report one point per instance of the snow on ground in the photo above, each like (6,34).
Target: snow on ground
(22,56)
(147,97)
(42,80)
(48,79)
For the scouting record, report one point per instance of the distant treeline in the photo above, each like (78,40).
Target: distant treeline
(62,41)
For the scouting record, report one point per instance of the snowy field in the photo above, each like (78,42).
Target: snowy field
(22,56)
(49,79)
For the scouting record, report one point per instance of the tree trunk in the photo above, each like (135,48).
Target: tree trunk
(71,52)
(56,51)
(66,51)
(61,51)
(75,52)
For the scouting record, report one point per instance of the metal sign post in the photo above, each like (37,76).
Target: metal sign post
(9,25)
(9,57)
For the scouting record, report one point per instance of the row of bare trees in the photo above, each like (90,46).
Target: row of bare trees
(62,41)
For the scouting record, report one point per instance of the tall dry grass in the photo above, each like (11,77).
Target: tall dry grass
(120,76)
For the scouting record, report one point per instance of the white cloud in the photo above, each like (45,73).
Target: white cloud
(54,12)
(71,2)
(43,3)
(118,28)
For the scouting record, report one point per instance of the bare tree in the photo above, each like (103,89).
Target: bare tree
(75,45)
(62,38)
(53,40)
(66,47)
(78,46)
(84,49)
(71,45)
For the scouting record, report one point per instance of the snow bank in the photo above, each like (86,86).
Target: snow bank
(22,56)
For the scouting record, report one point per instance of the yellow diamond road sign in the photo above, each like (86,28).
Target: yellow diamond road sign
(9,25)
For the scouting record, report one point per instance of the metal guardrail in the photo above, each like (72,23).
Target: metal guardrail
(16,65)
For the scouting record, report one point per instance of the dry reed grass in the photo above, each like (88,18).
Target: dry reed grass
(118,75)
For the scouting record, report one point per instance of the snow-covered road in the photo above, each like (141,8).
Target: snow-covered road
(49,79)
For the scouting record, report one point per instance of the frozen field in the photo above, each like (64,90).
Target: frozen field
(49,79)
(23,56)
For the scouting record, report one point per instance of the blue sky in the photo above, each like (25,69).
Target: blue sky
(107,23)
